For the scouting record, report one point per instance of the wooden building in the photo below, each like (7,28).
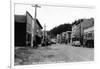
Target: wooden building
(25,27)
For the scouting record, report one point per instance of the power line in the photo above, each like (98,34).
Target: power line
(71,6)
(55,5)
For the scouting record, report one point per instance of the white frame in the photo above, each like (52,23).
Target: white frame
(12,11)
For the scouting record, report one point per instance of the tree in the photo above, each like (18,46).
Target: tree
(59,29)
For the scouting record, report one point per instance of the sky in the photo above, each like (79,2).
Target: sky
(54,16)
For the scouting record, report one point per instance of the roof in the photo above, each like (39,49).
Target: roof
(37,21)
(77,22)
(20,18)
(29,14)
(88,23)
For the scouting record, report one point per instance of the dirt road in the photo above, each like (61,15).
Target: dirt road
(53,53)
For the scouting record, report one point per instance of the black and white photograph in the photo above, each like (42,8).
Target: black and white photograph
(52,33)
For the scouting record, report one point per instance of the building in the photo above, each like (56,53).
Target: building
(20,30)
(29,26)
(68,36)
(88,34)
(78,28)
(64,37)
(25,29)
(58,39)
(33,29)
(75,30)
(86,24)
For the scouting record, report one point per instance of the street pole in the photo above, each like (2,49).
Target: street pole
(33,26)
(80,34)
(44,34)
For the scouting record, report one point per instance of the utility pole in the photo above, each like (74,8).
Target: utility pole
(81,33)
(33,26)
(44,34)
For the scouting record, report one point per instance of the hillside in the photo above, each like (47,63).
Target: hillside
(59,29)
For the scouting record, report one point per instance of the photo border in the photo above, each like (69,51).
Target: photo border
(12,12)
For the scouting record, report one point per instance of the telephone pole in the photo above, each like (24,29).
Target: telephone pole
(44,34)
(33,26)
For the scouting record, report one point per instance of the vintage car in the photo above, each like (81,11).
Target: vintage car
(76,43)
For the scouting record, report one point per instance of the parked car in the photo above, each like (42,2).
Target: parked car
(53,41)
(76,43)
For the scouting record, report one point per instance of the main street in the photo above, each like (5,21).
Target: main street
(53,53)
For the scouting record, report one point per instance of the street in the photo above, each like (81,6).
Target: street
(53,53)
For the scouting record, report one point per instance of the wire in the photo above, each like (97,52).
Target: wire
(71,6)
